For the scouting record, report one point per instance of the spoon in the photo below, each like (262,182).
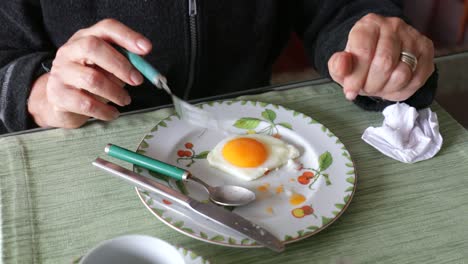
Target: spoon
(227,195)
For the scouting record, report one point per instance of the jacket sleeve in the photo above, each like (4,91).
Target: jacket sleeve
(24,52)
(324,26)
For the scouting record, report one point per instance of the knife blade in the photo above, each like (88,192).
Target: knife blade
(212,212)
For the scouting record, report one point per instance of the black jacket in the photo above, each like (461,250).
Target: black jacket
(223,46)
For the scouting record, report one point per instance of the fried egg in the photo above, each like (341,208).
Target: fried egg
(249,157)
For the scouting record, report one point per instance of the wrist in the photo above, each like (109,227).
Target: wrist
(37,100)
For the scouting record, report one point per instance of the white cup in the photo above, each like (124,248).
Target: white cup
(134,249)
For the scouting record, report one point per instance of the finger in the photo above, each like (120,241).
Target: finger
(76,101)
(425,66)
(340,65)
(361,44)
(114,31)
(93,81)
(385,60)
(93,50)
(394,88)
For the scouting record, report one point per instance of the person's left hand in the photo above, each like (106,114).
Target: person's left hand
(371,63)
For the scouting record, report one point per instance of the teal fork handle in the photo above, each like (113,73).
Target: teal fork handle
(146,162)
(143,66)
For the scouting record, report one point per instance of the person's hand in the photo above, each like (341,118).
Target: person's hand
(371,64)
(86,73)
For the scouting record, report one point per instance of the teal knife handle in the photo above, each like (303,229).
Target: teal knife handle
(142,66)
(146,162)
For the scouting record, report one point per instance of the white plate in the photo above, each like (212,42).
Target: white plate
(325,194)
(137,249)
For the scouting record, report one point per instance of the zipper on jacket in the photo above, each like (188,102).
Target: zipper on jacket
(192,8)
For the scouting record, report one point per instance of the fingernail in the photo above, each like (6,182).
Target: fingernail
(350,95)
(136,77)
(127,100)
(143,44)
(115,115)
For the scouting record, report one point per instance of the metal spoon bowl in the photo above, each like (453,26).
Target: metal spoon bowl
(227,195)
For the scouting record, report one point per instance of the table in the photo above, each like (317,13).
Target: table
(55,206)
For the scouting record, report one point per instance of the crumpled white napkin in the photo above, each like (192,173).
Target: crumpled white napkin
(406,134)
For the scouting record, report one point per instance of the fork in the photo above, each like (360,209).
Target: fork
(186,111)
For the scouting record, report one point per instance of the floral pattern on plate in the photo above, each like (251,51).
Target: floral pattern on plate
(293,202)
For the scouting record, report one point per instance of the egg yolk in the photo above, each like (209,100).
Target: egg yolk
(244,152)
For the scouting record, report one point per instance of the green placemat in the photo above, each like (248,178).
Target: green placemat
(55,206)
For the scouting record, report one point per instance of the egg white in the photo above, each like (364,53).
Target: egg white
(278,154)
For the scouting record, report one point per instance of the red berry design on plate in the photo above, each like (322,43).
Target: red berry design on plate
(308,174)
(278,136)
(189,154)
(307,209)
(167,202)
(303,180)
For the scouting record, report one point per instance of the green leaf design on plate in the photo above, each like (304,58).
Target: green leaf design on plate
(339,206)
(300,233)
(144,144)
(313,121)
(163,124)
(253,103)
(350,180)
(287,237)
(247,123)
(168,219)
(295,113)
(211,103)
(325,160)
(77,261)
(184,251)
(335,213)
(150,202)
(141,151)
(269,115)
(275,106)
(181,186)
(263,104)
(158,211)
(159,176)
(188,230)
(245,241)
(201,155)
(154,129)
(326,220)
(327,179)
(193,255)
(346,198)
(203,235)
(312,228)
(217,238)
(243,102)
(351,172)
(350,189)
(286,125)
(149,136)
(349,165)
(324,128)
(231,241)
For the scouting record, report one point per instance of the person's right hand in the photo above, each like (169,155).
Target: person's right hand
(86,73)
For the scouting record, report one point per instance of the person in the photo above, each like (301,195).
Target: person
(59,66)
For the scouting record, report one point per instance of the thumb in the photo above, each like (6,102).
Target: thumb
(340,65)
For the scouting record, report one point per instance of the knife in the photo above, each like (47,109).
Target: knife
(212,212)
